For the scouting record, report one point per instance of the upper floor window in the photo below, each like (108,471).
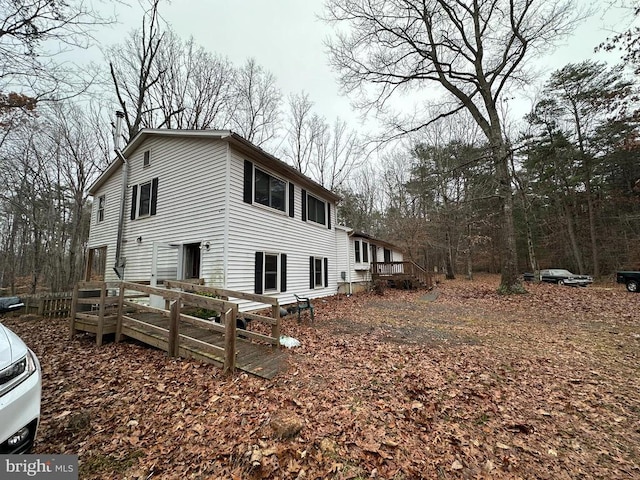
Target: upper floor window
(101,204)
(270,191)
(144,199)
(316,210)
(144,205)
(147,159)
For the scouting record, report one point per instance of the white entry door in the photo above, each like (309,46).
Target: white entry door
(164,266)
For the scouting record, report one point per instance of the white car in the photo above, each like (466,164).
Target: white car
(20,388)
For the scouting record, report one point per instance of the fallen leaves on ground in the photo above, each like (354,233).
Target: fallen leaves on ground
(470,385)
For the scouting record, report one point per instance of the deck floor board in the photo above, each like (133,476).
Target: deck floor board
(258,359)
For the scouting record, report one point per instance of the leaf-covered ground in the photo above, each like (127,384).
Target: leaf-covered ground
(405,385)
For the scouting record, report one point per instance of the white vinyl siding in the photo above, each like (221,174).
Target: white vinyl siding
(253,228)
(190,209)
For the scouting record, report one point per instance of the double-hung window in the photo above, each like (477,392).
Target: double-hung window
(356,246)
(318,272)
(270,191)
(101,204)
(316,210)
(144,199)
(144,205)
(270,272)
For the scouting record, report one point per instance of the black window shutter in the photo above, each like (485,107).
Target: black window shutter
(291,199)
(248,181)
(329,216)
(304,205)
(312,277)
(258,276)
(326,272)
(283,272)
(154,195)
(134,201)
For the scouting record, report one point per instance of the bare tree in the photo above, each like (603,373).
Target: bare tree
(134,71)
(195,90)
(50,161)
(302,131)
(257,113)
(474,50)
(339,152)
(29,30)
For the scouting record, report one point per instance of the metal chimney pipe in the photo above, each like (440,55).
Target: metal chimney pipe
(118,133)
(120,260)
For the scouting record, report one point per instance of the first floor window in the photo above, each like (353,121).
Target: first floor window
(356,246)
(101,204)
(270,272)
(318,274)
(365,252)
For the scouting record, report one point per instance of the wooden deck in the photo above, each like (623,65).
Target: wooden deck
(402,274)
(182,335)
(195,342)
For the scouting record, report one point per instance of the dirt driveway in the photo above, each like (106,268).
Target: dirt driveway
(466,385)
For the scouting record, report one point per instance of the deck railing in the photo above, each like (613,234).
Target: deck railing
(390,269)
(225,294)
(102,308)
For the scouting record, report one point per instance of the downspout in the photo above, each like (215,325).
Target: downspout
(120,260)
(349,264)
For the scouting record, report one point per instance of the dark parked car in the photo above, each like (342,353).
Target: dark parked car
(630,279)
(561,277)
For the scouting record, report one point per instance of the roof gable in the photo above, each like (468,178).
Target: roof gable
(238,142)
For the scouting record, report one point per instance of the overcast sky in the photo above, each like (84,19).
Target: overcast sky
(287,38)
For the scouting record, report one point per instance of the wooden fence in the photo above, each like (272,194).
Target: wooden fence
(52,305)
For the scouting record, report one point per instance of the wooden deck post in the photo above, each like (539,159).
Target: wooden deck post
(100,331)
(174,333)
(120,313)
(229,340)
(72,317)
(275,328)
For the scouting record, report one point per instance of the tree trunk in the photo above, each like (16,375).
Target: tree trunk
(510,281)
(469,253)
(592,228)
(450,270)
(573,241)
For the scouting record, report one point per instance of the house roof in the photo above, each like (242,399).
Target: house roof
(240,143)
(383,243)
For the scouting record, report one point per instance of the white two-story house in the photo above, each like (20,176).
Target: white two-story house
(182,204)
